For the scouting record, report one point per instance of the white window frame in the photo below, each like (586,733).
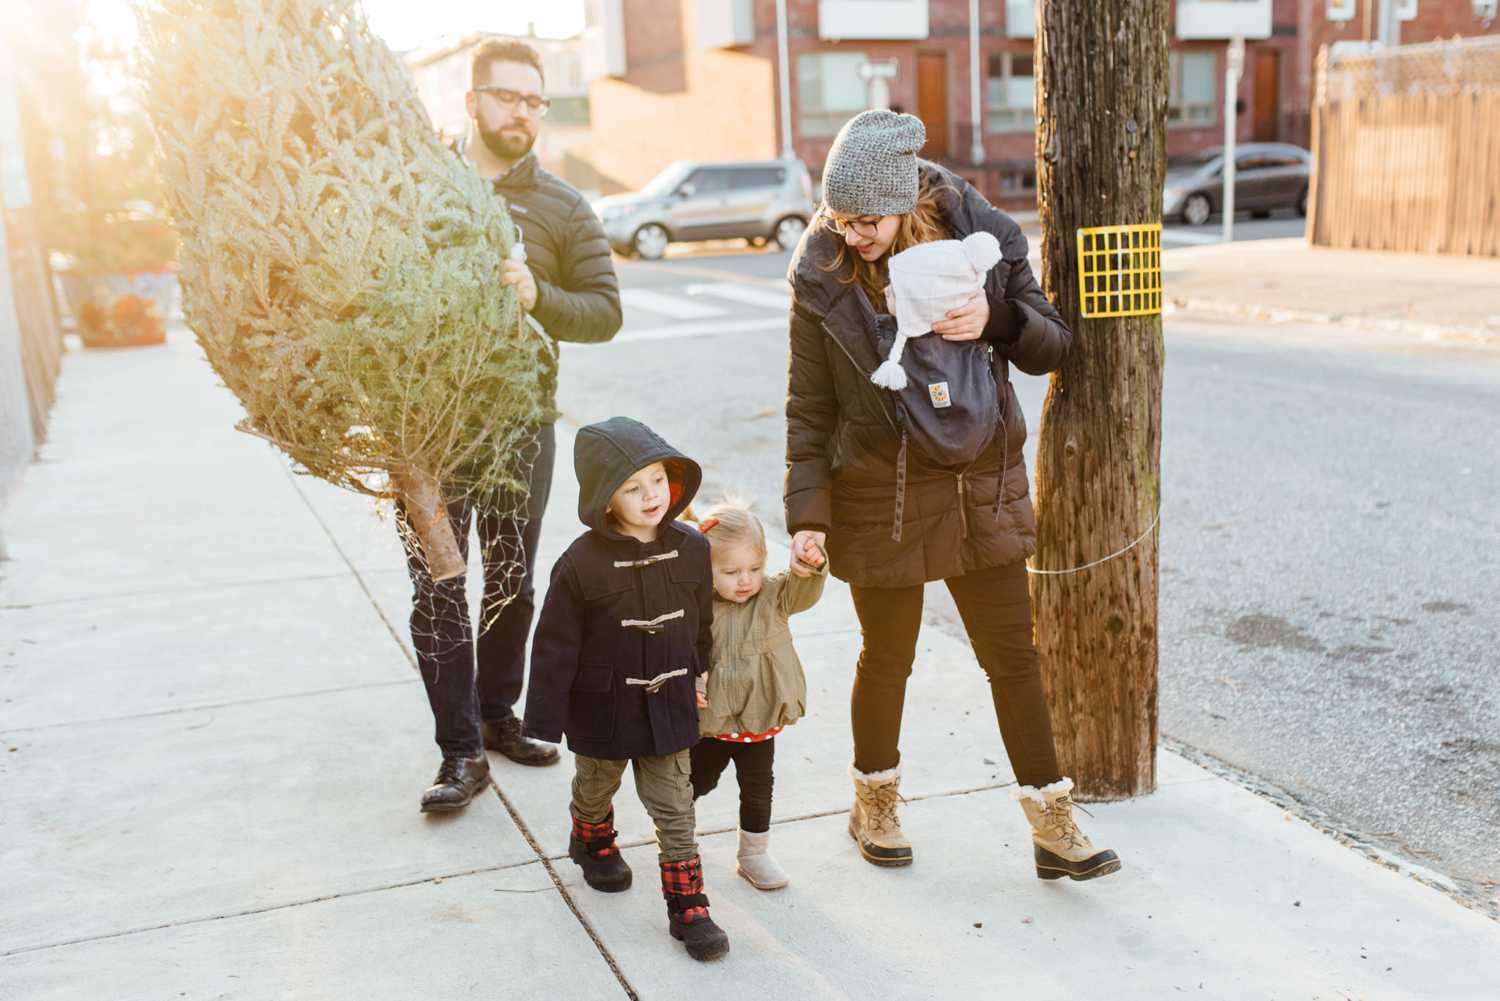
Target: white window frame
(1008,118)
(1342,10)
(1199,114)
(1485,9)
(820,122)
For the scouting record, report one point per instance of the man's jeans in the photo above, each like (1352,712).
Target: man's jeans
(468,682)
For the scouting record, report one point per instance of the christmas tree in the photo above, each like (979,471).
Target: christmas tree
(340,266)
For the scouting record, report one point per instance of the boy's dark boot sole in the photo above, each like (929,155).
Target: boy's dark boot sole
(615,881)
(1053,866)
(702,949)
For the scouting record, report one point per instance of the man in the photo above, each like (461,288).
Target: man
(567,284)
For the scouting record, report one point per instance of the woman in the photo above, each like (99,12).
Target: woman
(848,470)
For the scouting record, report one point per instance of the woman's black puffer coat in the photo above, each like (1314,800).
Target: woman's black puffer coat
(843,436)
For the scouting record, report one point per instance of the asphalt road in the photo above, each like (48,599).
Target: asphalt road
(1330,607)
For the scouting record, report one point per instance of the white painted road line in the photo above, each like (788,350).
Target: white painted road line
(672,306)
(742,292)
(630,336)
(1191,239)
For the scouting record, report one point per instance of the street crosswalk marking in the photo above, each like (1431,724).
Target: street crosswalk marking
(746,294)
(674,307)
(675,331)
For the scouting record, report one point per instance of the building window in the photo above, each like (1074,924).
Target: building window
(1010,93)
(1341,10)
(1195,89)
(830,91)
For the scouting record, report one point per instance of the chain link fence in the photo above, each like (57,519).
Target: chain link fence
(1466,65)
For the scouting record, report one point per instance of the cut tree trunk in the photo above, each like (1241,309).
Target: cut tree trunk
(422,500)
(1102,84)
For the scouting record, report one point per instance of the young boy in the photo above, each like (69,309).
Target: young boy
(623,635)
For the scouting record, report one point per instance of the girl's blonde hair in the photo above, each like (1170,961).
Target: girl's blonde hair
(730,523)
(923,224)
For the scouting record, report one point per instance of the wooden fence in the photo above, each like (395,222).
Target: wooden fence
(1406,147)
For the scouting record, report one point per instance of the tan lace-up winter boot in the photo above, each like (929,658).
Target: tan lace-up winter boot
(873,823)
(1061,849)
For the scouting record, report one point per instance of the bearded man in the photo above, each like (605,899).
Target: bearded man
(568,286)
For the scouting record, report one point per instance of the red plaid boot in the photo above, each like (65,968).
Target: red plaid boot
(592,846)
(687,909)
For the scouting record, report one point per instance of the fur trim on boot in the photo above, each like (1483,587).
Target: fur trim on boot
(873,821)
(592,846)
(687,910)
(756,864)
(1059,847)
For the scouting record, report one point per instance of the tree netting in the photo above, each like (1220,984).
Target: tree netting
(340,266)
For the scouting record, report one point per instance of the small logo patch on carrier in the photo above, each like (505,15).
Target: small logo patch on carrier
(938,391)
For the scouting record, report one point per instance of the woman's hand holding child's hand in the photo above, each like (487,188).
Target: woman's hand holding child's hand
(966,322)
(702,701)
(807,552)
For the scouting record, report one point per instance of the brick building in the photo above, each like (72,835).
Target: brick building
(1356,22)
(699,79)
(675,79)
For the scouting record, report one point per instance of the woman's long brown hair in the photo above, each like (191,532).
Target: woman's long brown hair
(924,223)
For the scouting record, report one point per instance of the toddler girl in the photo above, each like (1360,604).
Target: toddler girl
(756,686)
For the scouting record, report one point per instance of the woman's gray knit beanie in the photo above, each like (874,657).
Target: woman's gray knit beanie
(872,166)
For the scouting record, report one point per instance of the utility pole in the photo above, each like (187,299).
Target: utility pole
(1102,80)
(784,79)
(1234,66)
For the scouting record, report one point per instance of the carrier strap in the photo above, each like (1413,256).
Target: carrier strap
(900,490)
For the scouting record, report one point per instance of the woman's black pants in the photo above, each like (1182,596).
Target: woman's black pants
(752,767)
(995,605)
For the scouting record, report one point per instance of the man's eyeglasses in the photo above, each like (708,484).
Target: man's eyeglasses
(535,103)
(867,228)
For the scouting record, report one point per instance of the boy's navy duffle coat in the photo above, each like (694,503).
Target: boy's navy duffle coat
(626,626)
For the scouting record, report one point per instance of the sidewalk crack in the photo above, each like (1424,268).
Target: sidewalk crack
(284,905)
(359,578)
(562,889)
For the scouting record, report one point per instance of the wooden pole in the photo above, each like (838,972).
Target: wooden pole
(1102,82)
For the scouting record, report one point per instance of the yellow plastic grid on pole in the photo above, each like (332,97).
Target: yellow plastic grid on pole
(1119,270)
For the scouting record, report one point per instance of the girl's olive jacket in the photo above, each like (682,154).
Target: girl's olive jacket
(757,682)
(843,435)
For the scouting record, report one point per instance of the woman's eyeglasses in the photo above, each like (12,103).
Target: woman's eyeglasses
(867,228)
(535,103)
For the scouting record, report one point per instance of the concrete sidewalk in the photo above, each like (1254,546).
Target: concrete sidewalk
(1290,281)
(212,742)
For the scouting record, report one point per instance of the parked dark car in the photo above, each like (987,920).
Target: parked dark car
(1268,176)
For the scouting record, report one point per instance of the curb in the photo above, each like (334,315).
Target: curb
(1479,899)
(1481,337)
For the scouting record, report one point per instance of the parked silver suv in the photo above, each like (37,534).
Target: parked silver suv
(756,200)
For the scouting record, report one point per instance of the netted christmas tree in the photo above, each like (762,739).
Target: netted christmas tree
(340,266)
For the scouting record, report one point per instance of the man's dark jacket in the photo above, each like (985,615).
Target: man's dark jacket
(620,612)
(577,294)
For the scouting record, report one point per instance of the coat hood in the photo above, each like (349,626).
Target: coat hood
(607,454)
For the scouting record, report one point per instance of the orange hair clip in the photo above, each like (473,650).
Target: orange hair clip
(707,524)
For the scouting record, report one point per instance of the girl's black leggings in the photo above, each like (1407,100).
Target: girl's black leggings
(752,767)
(995,605)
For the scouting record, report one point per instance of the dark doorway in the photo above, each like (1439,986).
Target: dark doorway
(1267,95)
(932,101)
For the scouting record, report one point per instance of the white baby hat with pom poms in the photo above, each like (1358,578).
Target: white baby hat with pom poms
(927,282)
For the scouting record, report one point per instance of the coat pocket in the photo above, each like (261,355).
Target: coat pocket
(591,703)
